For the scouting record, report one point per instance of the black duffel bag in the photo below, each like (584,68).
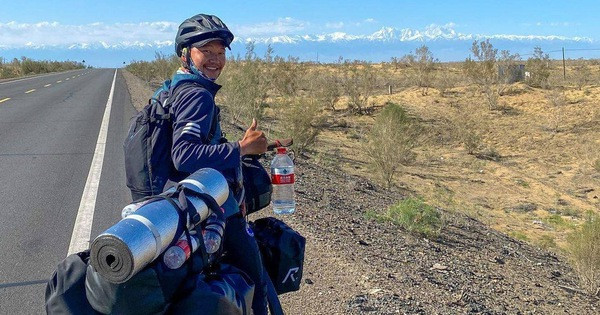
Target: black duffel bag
(65,292)
(282,251)
(257,184)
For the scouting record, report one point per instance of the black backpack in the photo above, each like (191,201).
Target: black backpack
(147,147)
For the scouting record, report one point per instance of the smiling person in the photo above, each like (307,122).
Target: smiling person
(201,44)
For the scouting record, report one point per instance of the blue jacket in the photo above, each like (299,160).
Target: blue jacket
(193,109)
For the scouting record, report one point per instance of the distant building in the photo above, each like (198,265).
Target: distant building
(514,73)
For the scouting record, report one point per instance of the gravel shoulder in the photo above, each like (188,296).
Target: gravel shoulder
(354,265)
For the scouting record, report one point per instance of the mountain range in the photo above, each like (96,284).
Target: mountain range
(445,43)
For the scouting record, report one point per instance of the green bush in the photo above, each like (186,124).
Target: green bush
(414,215)
(422,63)
(390,141)
(302,120)
(359,81)
(584,248)
(245,87)
(156,71)
(491,71)
(27,66)
(539,67)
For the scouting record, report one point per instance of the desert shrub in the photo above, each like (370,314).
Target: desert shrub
(467,132)
(581,74)
(490,71)
(539,68)
(584,249)
(391,140)
(157,70)
(245,87)
(325,87)
(422,63)
(358,82)
(444,81)
(301,119)
(27,66)
(287,76)
(414,215)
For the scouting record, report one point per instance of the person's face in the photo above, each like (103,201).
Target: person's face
(210,58)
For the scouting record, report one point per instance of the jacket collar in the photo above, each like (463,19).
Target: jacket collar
(209,85)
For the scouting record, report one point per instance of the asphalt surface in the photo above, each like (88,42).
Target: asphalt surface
(49,127)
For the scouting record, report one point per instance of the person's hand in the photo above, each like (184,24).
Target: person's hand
(254,141)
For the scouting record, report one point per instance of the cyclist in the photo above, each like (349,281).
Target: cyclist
(201,43)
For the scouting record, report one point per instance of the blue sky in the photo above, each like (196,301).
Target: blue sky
(152,24)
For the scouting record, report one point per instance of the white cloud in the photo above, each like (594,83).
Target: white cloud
(282,26)
(334,25)
(55,34)
(370,20)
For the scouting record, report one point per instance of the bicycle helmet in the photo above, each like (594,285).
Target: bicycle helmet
(201,29)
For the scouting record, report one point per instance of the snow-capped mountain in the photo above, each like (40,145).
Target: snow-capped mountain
(444,42)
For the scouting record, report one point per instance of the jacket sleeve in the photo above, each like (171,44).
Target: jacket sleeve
(193,111)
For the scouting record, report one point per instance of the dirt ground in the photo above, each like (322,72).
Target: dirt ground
(355,265)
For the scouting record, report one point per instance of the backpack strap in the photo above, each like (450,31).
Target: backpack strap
(167,109)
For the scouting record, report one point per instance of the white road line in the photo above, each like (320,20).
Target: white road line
(67,79)
(47,85)
(29,78)
(32,90)
(82,229)
(59,81)
(4,99)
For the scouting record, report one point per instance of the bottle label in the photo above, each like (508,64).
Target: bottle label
(282,179)
(183,244)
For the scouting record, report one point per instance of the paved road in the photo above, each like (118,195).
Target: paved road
(49,127)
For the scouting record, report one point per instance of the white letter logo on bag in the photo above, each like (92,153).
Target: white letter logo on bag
(291,274)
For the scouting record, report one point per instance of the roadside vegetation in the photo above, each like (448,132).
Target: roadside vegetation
(509,140)
(414,215)
(26,66)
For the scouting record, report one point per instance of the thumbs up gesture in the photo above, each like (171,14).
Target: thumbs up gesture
(254,141)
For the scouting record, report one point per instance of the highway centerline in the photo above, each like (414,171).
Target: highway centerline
(47,85)
(4,100)
(82,229)
(59,81)
(32,90)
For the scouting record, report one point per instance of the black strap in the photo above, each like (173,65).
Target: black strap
(274,304)
(213,126)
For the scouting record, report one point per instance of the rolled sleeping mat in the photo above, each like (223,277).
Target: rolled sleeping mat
(134,242)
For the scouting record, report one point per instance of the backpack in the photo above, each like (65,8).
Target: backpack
(282,251)
(147,147)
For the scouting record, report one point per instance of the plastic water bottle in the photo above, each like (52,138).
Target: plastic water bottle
(176,255)
(282,178)
(212,234)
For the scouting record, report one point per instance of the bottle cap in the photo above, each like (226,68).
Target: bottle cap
(281,150)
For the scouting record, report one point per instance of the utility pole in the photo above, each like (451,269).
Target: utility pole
(564,68)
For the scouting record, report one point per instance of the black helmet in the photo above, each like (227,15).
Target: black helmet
(202,28)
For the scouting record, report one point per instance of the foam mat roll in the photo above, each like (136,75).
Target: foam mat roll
(130,245)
